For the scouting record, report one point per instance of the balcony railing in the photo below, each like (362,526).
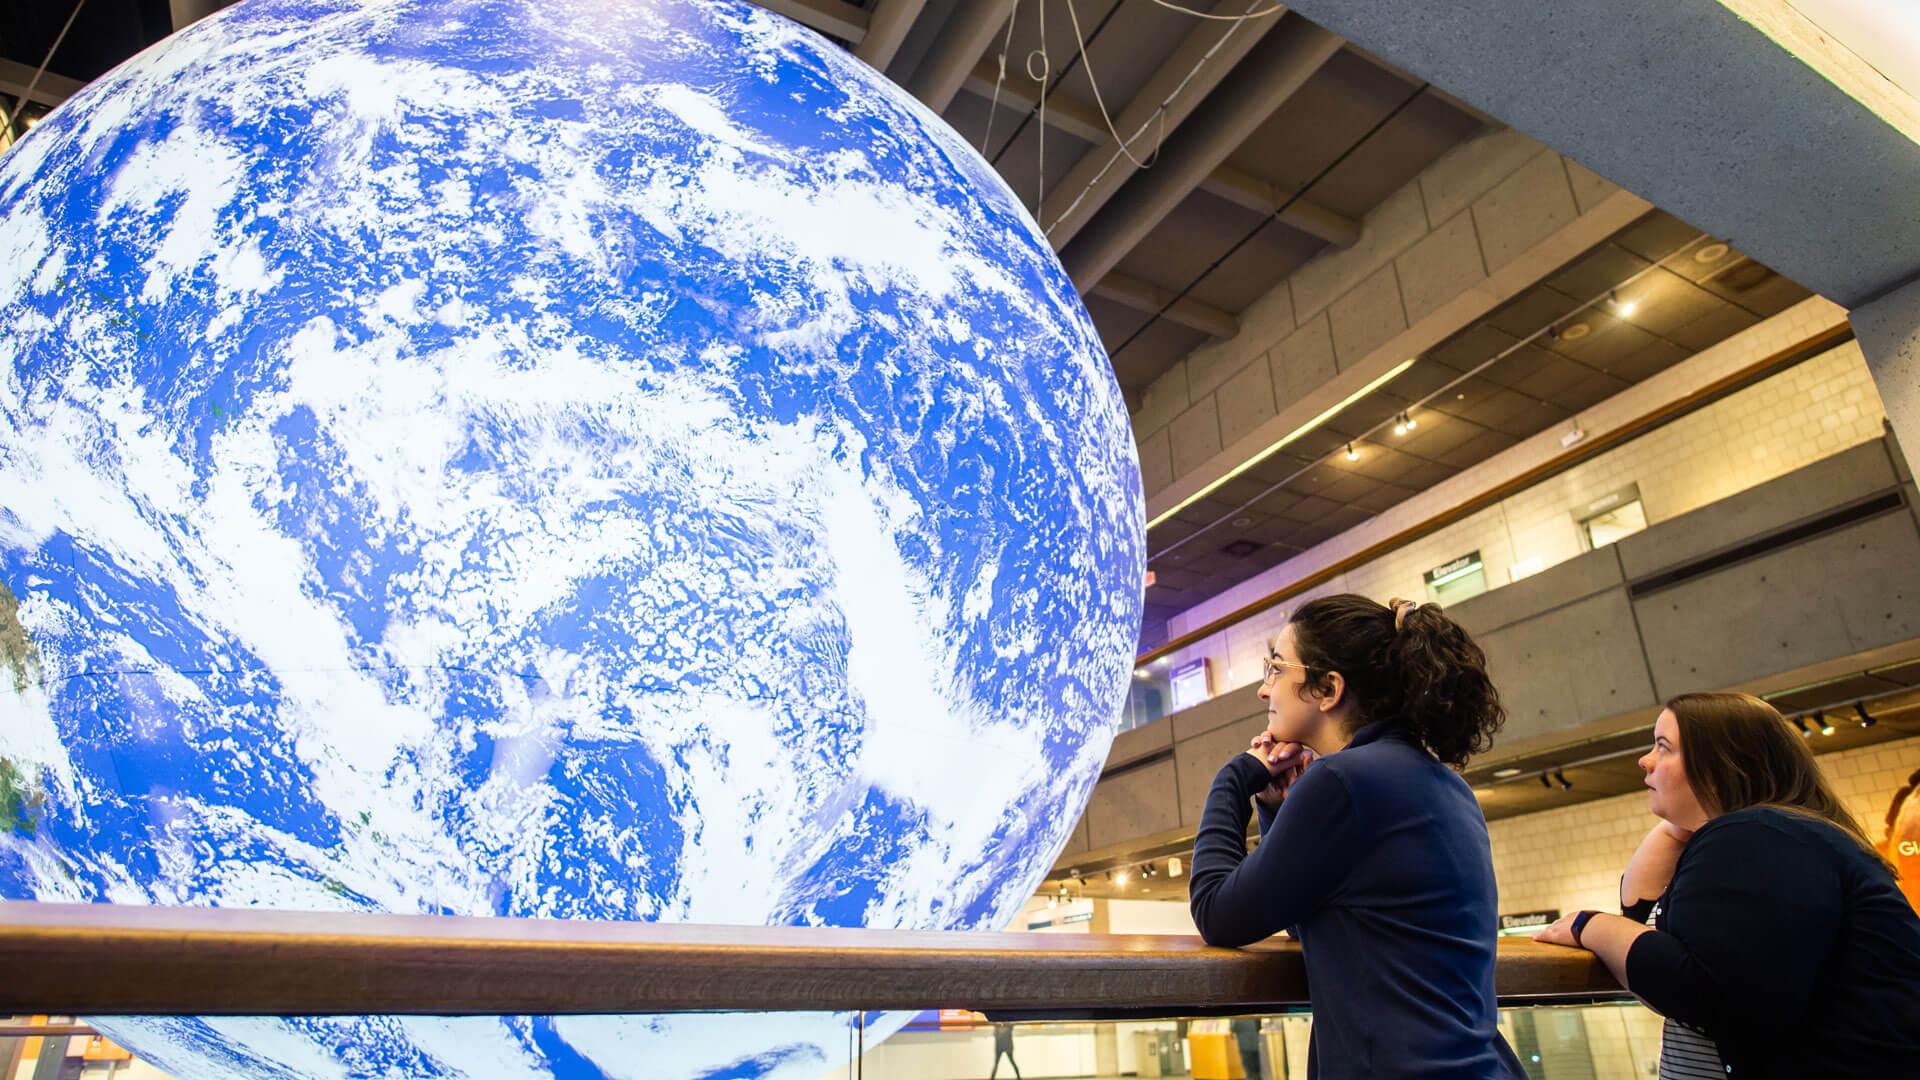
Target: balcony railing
(100,959)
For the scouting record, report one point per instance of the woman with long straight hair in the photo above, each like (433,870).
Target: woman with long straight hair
(1781,945)
(1375,854)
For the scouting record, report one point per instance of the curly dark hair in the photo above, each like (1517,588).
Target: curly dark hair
(1426,677)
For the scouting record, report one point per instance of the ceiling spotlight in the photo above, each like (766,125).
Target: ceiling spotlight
(1546,781)
(1801,724)
(1147,871)
(1820,721)
(1411,422)
(1624,307)
(1119,878)
(1561,775)
(1867,719)
(1352,454)
(1402,424)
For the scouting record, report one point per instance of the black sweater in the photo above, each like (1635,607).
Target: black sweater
(1791,946)
(1379,860)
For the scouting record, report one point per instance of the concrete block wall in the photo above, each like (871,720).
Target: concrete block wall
(1812,411)
(1576,654)
(1439,252)
(1571,859)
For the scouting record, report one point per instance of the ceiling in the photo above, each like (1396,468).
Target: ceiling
(1554,350)
(1274,173)
(1349,134)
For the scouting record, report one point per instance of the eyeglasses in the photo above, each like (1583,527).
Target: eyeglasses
(1275,666)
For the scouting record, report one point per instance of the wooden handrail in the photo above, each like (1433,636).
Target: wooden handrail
(103,959)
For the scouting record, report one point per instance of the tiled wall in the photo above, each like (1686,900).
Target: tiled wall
(1802,415)
(1571,859)
(1431,257)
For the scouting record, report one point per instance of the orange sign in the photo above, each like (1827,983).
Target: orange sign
(1903,837)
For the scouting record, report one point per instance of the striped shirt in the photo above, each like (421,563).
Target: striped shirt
(1685,1053)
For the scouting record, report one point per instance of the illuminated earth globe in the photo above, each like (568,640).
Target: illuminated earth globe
(571,460)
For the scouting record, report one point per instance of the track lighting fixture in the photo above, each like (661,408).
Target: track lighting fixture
(1546,781)
(1352,455)
(1867,719)
(1820,721)
(1561,775)
(1802,725)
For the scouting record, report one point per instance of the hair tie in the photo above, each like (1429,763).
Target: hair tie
(1400,610)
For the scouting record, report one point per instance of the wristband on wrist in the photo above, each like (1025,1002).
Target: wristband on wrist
(1580,923)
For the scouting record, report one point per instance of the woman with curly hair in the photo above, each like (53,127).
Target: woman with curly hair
(1376,856)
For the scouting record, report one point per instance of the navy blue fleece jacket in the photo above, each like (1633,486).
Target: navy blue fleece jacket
(1378,859)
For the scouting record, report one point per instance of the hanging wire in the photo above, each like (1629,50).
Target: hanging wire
(993,110)
(1098,99)
(1159,114)
(1273,217)
(20,103)
(1046,70)
(1261,14)
(1000,80)
(1065,70)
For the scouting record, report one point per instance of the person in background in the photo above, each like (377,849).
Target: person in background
(1003,1044)
(1779,936)
(1373,849)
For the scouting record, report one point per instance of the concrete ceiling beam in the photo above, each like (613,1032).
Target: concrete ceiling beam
(1272,73)
(1692,106)
(187,12)
(1266,197)
(960,45)
(51,90)
(1150,298)
(1081,120)
(834,18)
(887,27)
(1204,58)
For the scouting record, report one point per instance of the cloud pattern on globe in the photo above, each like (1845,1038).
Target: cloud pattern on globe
(561,459)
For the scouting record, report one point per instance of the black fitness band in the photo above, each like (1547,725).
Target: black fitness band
(1580,924)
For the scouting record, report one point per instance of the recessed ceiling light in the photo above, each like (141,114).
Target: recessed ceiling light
(1711,253)
(1575,332)
(1242,522)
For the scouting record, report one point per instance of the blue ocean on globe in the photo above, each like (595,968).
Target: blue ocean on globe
(542,458)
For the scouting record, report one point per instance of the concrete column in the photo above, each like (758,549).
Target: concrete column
(1106,1039)
(1889,332)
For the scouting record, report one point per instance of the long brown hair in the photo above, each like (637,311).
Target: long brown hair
(1737,752)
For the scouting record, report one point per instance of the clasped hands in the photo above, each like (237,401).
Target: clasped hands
(1285,761)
